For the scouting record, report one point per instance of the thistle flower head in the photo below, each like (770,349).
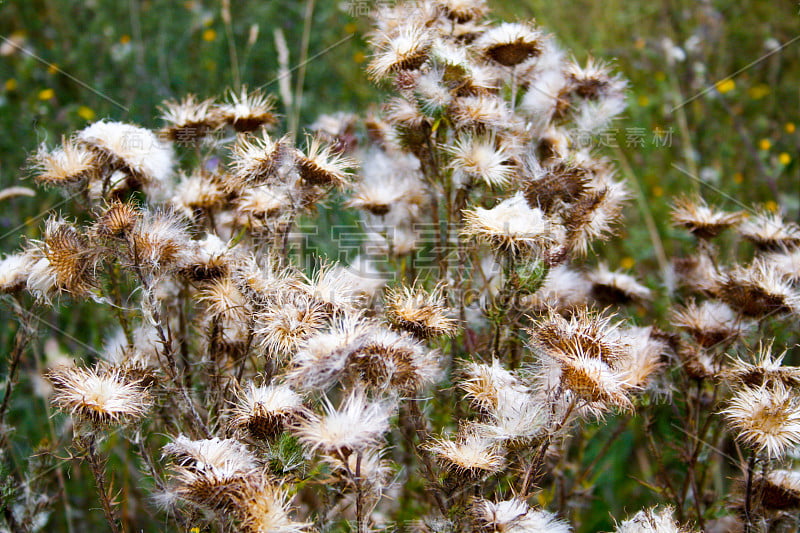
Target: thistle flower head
(258,159)
(510,43)
(483,383)
(510,226)
(645,351)
(207,454)
(513,415)
(358,424)
(595,381)
(762,367)
(197,194)
(710,322)
(697,362)
(589,355)
(556,185)
(210,473)
(99,397)
(517,423)
(758,290)
(14,271)
(189,119)
(335,288)
(386,360)
(389,183)
(209,258)
(514,516)
(266,411)
(260,283)
(779,490)
(131,149)
(223,299)
(257,206)
(652,521)
(65,166)
(404,49)
(247,111)
(483,158)
(322,357)
(610,288)
(65,262)
(116,220)
(408,121)
(594,81)
(481,113)
(786,263)
(432,93)
(700,219)
(261,507)
(593,215)
(765,418)
(584,333)
(283,325)
(696,272)
(463,11)
(320,165)
(423,314)
(158,241)
(769,232)
(469,454)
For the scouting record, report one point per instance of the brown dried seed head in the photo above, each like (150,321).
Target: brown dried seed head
(70,258)
(585,333)
(710,323)
(189,119)
(247,112)
(766,418)
(779,490)
(757,291)
(561,182)
(100,398)
(463,11)
(265,412)
(256,160)
(702,221)
(405,49)
(67,165)
(769,232)
(423,314)
(510,44)
(321,166)
(594,381)
(469,454)
(117,220)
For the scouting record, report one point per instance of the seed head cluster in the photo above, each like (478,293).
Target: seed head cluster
(452,354)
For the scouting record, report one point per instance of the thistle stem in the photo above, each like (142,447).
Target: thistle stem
(21,340)
(748,495)
(361,522)
(98,468)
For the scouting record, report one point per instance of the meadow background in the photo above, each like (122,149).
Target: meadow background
(713,107)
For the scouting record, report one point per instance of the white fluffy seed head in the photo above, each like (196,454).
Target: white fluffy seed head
(358,424)
(136,149)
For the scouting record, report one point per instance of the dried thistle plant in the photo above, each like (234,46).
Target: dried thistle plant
(465,365)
